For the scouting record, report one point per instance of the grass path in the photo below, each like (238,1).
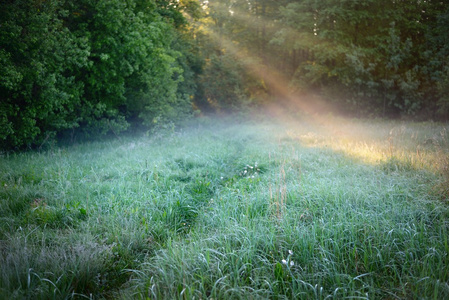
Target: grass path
(317,209)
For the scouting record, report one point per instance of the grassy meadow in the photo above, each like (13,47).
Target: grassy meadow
(321,208)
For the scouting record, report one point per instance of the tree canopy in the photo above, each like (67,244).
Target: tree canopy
(84,67)
(373,57)
(90,67)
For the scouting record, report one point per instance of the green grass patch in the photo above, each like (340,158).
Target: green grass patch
(232,210)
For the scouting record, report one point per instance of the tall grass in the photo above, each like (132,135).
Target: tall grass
(309,210)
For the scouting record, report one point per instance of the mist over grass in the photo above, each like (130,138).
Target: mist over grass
(324,207)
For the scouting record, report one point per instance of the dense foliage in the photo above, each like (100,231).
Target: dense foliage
(84,67)
(87,67)
(372,57)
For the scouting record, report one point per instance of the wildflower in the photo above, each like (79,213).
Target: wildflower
(284,262)
(221,177)
(290,252)
(292,263)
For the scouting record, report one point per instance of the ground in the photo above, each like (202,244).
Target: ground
(310,207)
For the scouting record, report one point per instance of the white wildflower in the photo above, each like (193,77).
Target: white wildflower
(290,252)
(284,261)
(292,263)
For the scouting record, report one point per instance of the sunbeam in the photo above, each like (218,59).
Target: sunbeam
(285,99)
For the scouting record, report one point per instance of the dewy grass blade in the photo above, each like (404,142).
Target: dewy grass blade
(343,208)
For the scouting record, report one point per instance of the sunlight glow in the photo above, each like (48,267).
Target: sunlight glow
(340,135)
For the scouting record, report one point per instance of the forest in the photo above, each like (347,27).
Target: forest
(79,69)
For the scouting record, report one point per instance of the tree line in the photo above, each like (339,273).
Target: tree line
(385,58)
(76,69)
(89,67)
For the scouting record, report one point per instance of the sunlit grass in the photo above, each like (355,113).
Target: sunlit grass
(225,210)
(420,145)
